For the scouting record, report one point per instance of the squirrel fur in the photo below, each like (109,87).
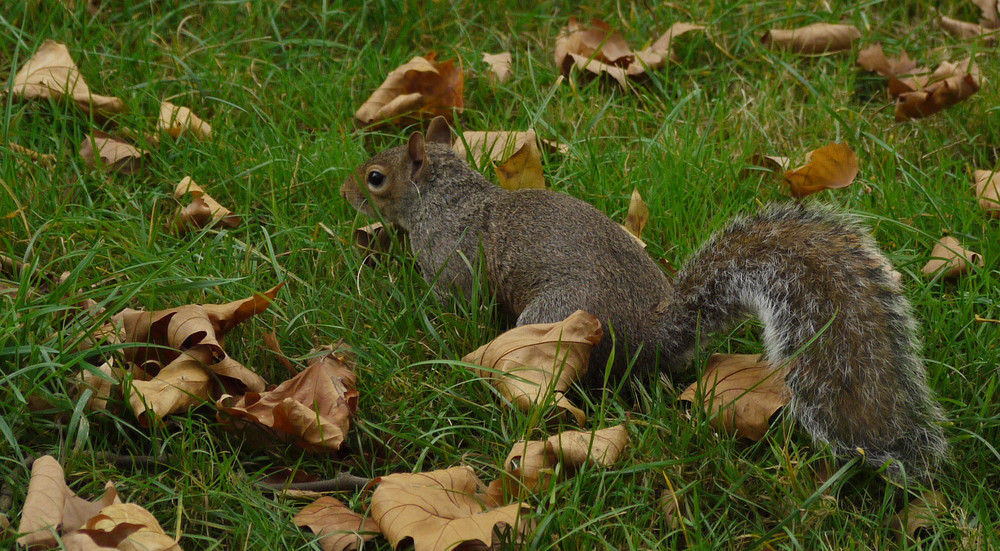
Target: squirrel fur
(825,294)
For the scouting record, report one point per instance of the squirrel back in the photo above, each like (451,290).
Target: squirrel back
(826,296)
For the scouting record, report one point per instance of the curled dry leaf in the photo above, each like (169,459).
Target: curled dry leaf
(637,216)
(500,66)
(949,84)
(531,363)
(599,50)
(740,393)
(176,120)
(829,167)
(51,73)
(671,505)
(181,385)
(813,39)
(44,159)
(203,210)
(523,170)
(500,144)
(918,515)
(873,59)
(600,448)
(965,29)
(987,184)
(949,256)
(52,509)
(991,12)
(313,408)
(421,87)
(114,154)
(438,510)
(530,463)
(339,528)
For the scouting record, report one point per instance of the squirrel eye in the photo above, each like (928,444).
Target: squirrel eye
(375,179)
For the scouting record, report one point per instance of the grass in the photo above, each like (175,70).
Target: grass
(280,81)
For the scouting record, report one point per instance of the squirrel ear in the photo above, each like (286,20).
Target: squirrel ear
(439,131)
(416,148)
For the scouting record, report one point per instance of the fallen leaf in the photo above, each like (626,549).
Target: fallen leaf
(421,87)
(531,464)
(949,84)
(50,507)
(829,167)
(127,526)
(813,39)
(523,170)
(102,381)
(51,73)
(339,528)
(873,59)
(203,209)
(637,216)
(230,314)
(671,504)
(44,159)
(313,408)
(530,363)
(500,66)
(740,393)
(438,510)
(987,184)
(176,120)
(182,384)
(600,448)
(918,515)
(948,255)
(114,154)
(991,12)
(499,145)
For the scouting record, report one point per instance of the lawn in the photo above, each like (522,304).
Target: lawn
(279,82)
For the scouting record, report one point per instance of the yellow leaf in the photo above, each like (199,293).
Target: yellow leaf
(829,167)
(523,170)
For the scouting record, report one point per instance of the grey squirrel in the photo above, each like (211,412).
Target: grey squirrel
(824,292)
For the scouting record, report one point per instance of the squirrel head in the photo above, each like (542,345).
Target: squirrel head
(390,181)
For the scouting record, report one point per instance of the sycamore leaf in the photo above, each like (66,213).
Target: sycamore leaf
(228,315)
(114,154)
(181,385)
(919,514)
(176,120)
(991,12)
(530,363)
(671,505)
(936,97)
(523,170)
(948,255)
(339,528)
(829,167)
(500,66)
(438,510)
(314,407)
(873,59)
(813,39)
(127,526)
(44,159)
(600,448)
(499,145)
(421,87)
(638,215)
(203,210)
(740,393)
(987,184)
(51,73)
(532,464)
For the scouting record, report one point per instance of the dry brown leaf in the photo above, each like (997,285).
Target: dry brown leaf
(421,87)
(51,73)
(176,120)
(530,463)
(228,315)
(873,59)
(829,167)
(948,255)
(599,50)
(203,209)
(314,408)
(438,510)
(813,39)
(530,363)
(600,448)
(374,240)
(638,215)
(182,384)
(949,84)
(127,527)
(740,393)
(339,528)
(500,144)
(523,170)
(102,385)
(500,66)
(114,154)
(671,504)
(991,12)
(44,159)
(987,185)
(918,515)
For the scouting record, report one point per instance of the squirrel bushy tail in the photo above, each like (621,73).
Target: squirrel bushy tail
(847,333)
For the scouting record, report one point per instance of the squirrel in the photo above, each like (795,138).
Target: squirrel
(827,297)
